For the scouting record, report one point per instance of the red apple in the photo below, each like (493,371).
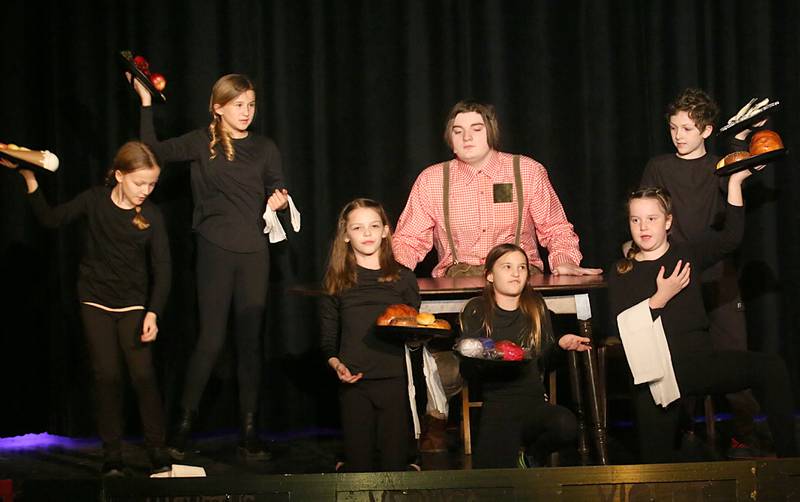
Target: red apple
(158,81)
(142,64)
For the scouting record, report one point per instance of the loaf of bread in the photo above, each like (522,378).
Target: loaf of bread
(765,141)
(731,158)
(396,310)
(404,315)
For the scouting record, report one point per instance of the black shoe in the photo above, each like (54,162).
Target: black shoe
(113,469)
(159,460)
(176,446)
(250,445)
(112,461)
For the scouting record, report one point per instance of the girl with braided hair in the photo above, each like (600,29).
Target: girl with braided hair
(234,174)
(122,297)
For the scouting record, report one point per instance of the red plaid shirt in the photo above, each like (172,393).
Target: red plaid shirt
(477,222)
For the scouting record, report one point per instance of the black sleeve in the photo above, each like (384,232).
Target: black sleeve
(161,264)
(273,169)
(182,148)
(623,294)
(54,217)
(329,325)
(711,250)
(650,176)
(551,352)
(410,291)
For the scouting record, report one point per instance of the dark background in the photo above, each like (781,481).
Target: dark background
(355,94)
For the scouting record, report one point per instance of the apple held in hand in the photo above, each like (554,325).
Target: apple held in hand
(158,81)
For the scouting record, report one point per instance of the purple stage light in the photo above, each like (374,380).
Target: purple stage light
(44,440)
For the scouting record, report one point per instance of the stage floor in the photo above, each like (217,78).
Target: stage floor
(302,452)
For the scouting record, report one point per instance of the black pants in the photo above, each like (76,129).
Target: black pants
(112,336)
(226,279)
(717,372)
(728,328)
(375,418)
(506,425)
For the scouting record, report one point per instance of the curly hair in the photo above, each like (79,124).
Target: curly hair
(698,105)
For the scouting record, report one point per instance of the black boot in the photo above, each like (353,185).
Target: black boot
(112,464)
(250,445)
(159,460)
(180,439)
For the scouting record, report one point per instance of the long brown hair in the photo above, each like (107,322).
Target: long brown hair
(341,271)
(664,199)
(130,157)
(531,303)
(225,89)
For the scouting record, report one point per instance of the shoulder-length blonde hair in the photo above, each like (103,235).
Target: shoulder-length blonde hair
(341,271)
(225,89)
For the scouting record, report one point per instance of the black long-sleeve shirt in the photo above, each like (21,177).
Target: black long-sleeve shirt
(513,381)
(229,196)
(684,317)
(347,321)
(114,270)
(698,198)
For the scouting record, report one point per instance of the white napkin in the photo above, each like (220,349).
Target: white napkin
(647,352)
(273,225)
(182,471)
(436,398)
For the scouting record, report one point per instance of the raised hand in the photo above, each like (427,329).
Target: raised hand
(141,90)
(669,286)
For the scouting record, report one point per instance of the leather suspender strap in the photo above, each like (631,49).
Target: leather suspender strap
(520,202)
(446,204)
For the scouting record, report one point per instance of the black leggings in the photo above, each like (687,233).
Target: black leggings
(375,417)
(505,425)
(112,336)
(717,372)
(225,278)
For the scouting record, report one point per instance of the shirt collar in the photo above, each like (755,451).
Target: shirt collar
(492,168)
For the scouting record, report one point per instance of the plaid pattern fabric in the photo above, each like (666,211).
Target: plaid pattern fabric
(477,222)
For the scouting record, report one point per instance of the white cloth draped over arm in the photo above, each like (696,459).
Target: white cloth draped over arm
(273,225)
(436,397)
(647,352)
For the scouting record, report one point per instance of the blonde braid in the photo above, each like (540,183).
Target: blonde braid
(139,221)
(218,135)
(626,264)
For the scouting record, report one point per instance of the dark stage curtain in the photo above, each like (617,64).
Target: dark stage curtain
(355,94)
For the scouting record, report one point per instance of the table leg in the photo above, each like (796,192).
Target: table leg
(595,407)
(577,396)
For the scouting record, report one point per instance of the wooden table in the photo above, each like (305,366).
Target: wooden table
(563,295)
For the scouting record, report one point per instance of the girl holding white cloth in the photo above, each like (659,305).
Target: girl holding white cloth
(664,278)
